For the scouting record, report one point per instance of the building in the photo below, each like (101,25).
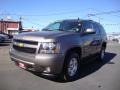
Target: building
(10,27)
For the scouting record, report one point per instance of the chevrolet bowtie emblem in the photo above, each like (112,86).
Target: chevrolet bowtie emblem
(20,44)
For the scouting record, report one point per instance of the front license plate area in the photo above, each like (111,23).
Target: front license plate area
(22,65)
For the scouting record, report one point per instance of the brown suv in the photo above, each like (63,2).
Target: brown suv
(60,47)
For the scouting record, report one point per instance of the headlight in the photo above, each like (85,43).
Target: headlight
(48,48)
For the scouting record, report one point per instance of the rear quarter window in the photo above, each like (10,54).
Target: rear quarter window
(102,30)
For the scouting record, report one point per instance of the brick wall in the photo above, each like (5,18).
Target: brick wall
(6,25)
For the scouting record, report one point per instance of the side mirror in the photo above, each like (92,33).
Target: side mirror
(89,31)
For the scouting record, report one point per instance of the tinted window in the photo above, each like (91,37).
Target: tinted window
(86,25)
(96,28)
(102,30)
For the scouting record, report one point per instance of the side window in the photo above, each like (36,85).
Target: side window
(102,30)
(86,25)
(96,28)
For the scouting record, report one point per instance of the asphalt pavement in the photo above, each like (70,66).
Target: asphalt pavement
(93,76)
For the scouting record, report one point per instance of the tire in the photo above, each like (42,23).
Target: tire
(71,67)
(101,54)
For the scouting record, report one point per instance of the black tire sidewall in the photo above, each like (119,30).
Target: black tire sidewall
(67,61)
(100,58)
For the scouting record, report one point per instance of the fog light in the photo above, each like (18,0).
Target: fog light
(47,70)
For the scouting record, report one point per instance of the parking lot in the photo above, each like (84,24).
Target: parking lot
(93,76)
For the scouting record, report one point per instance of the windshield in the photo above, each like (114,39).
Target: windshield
(63,26)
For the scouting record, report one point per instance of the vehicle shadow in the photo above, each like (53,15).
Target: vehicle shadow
(85,69)
(94,66)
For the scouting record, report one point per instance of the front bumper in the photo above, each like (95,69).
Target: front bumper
(44,63)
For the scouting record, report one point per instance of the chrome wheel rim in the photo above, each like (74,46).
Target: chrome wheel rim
(72,67)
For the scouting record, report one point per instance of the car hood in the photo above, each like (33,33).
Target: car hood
(42,35)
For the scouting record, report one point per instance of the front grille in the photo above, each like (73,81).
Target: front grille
(25,46)
(26,41)
(24,49)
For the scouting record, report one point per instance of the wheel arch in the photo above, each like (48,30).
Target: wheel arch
(74,49)
(104,44)
(68,53)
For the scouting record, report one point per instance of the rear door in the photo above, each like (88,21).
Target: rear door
(87,40)
(97,41)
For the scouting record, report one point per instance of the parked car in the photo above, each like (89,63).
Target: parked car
(8,35)
(60,47)
(2,39)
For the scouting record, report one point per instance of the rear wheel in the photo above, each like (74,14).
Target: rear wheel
(102,54)
(71,66)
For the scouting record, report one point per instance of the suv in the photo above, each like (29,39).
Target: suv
(60,47)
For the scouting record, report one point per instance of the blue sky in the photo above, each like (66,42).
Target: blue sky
(39,13)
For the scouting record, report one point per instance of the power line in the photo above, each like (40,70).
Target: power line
(49,14)
(63,13)
(30,21)
(104,13)
(95,13)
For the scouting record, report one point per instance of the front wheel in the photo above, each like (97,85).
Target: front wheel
(71,66)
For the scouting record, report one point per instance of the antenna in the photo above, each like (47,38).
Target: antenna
(78,18)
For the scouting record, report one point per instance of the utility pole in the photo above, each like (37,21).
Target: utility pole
(91,15)
(20,24)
